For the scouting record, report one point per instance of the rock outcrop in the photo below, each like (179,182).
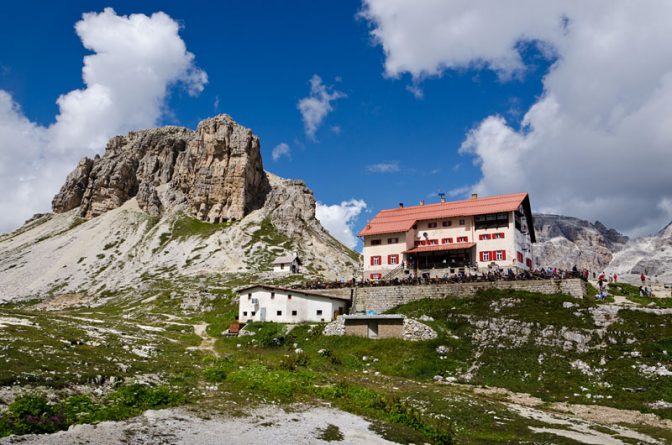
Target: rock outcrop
(565,241)
(216,172)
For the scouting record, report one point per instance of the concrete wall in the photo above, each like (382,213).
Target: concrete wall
(382,298)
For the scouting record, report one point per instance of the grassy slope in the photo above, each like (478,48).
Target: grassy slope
(393,386)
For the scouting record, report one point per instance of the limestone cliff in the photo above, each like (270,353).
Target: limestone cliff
(215,171)
(564,241)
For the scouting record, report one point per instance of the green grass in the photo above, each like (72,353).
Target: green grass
(186,227)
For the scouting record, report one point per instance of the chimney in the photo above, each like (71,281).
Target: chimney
(443,197)
(474,195)
(422,202)
(401,205)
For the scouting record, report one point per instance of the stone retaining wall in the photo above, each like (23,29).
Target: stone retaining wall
(382,298)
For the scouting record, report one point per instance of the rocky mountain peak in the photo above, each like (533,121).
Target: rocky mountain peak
(215,173)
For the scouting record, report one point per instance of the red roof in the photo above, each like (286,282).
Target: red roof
(440,247)
(402,219)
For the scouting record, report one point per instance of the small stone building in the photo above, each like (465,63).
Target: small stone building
(287,264)
(374,326)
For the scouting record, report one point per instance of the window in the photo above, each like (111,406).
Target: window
(245,314)
(432,225)
(423,242)
(520,257)
(485,256)
(433,242)
(376,276)
(289,297)
(253,313)
(294,313)
(279,313)
(249,296)
(392,240)
(462,239)
(282,266)
(528,262)
(375,242)
(272,295)
(484,236)
(500,255)
(499,235)
(491,220)
(461,222)
(393,259)
(375,260)
(319,312)
(447,223)
(417,243)
(447,241)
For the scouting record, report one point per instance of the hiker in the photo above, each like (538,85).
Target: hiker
(616,277)
(643,278)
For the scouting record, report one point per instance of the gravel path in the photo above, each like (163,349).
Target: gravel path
(266,425)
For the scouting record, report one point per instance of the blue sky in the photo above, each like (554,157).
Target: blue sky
(259,57)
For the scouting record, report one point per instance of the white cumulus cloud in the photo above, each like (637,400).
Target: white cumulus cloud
(596,144)
(281,150)
(317,105)
(135,61)
(339,219)
(384,167)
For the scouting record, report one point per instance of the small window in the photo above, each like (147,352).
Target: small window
(528,262)
(392,240)
(272,295)
(485,256)
(289,297)
(520,256)
(294,313)
(393,259)
(461,222)
(375,242)
(376,276)
(319,312)
(245,314)
(499,255)
(253,313)
(417,243)
(484,236)
(462,239)
(446,241)
(433,242)
(279,313)
(375,261)
(447,223)
(249,296)
(431,225)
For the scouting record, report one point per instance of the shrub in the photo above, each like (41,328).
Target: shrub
(32,414)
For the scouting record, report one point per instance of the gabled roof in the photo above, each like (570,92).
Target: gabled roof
(291,291)
(401,219)
(287,259)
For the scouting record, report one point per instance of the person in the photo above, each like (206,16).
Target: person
(643,278)
(641,291)
(615,277)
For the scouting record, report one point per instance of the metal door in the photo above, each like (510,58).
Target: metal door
(262,314)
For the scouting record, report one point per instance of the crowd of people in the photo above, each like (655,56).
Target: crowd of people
(411,279)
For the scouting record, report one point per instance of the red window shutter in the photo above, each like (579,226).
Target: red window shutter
(493,256)
(503,254)
(371,261)
(480,254)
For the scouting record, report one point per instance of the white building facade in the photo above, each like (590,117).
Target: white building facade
(287,264)
(281,305)
(450,237)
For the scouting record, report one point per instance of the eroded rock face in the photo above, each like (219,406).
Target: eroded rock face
(221,172)
(216,171)
(73,190)
(565,241)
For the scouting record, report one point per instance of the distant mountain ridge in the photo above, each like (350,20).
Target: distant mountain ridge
(565,241)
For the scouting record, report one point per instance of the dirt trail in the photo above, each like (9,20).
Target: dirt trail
(207,342)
